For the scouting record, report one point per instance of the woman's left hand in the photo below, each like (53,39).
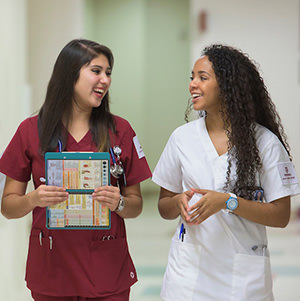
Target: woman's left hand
(108,196)
(210,203)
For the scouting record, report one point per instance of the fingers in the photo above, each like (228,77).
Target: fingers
(200,191)
(183,204)
(108,196)
(198,215)
(210,203)
(46,195)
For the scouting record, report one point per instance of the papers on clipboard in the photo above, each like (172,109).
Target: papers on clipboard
(80,173)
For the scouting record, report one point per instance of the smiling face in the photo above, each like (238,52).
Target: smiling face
(204,87)
(93,83)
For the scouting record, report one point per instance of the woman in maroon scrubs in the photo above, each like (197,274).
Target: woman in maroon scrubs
(75,264)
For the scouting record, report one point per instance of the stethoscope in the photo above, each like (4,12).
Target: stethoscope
(117,169)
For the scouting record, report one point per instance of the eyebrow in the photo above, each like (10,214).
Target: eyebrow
(100,67)
(201,72)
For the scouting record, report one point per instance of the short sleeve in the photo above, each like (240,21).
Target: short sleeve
(133,157)
(15,161)
(278,177)
(167,173)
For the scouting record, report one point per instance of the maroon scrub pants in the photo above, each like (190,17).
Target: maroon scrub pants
(123,296)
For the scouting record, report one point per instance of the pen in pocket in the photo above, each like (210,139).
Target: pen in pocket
(182,232)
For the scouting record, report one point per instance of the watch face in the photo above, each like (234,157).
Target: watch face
(232,203)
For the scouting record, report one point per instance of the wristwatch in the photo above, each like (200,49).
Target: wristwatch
(121,204)
(232,203)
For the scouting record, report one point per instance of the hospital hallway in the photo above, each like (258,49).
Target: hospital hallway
(149,238)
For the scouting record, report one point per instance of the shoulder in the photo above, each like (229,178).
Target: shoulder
(121,123)
(123,131)
(188,127)
(188,130)
(269,145)
(29,123)
(264,137)
(27,129)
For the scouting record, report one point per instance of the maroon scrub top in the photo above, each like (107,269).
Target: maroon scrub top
(74,262)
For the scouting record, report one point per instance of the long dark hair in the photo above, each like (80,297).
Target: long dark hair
(59,97)
(245,102)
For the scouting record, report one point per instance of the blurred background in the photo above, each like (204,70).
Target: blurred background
(155,43)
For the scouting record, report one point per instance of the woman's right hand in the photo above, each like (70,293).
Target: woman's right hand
(46,195)
(171,205)
(182,201)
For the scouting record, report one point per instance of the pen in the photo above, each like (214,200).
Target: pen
(59,146)
(182,232)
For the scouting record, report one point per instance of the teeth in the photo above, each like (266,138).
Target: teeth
(196,95)
(99,90)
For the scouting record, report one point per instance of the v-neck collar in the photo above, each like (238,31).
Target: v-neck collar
(83,137)
(72,141)
(207,142)
(74,144)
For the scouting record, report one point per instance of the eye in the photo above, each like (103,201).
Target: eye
(97,71)
(191,78)
(108,73)
(203,78)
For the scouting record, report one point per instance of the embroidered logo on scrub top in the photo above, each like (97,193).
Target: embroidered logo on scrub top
(138,147)
(132,275)
(287,173)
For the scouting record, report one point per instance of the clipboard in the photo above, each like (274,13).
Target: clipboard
(80,173)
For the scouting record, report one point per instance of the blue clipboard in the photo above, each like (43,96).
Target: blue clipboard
(80,173)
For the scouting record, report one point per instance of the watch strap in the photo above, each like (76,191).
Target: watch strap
(121,204)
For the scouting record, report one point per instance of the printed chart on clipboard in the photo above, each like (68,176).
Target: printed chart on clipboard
(80,173)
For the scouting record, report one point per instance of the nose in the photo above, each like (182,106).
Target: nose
(104,78)
(193,84)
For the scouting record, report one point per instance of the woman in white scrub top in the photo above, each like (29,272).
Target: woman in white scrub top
(228,175)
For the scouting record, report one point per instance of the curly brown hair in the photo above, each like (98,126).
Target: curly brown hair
(245,102)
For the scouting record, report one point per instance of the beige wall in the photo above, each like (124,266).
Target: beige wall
(52,24)
(13,87)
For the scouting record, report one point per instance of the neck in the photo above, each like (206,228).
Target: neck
(216,131)
(214,122)
(79,116)
(79,123)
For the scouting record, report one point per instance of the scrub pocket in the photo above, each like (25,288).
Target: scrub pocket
(180,278)
(112,266)
(252,278)
(38,267)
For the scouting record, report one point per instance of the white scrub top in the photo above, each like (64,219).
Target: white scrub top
(225,257)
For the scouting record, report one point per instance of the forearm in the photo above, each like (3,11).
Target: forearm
(133,201)
(133,205)
(167,207)
(16,206)
(273,214)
